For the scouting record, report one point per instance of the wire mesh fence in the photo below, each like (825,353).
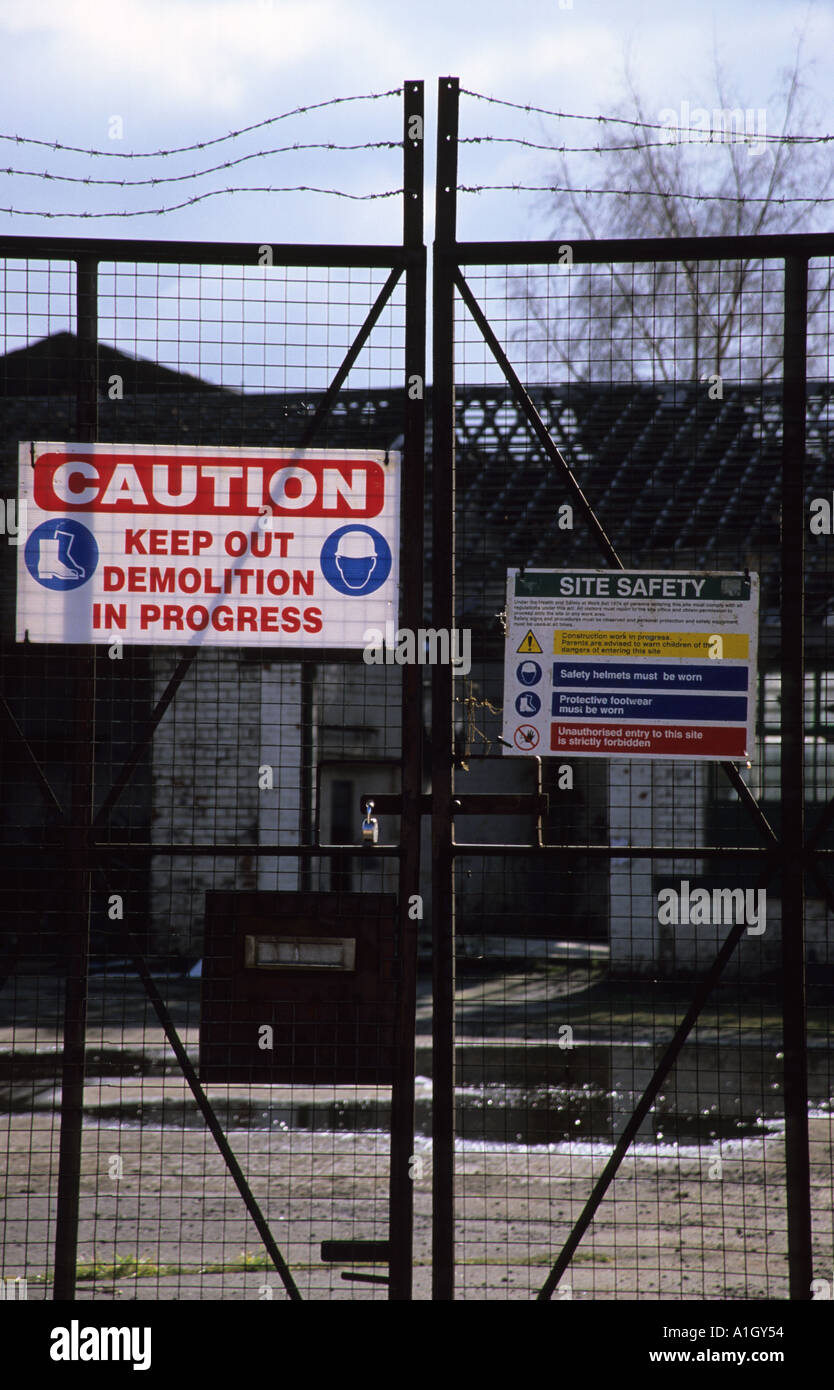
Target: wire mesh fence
(261,1039)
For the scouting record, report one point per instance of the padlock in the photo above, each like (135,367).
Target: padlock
(370,826)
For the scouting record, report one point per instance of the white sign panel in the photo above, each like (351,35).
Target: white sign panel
(630,663)
(196,546)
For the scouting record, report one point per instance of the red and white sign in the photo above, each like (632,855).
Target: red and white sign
(181,545)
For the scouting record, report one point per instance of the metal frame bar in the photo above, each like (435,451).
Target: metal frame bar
(401,1183)
(328,400)
(40,776)
(199,252)
(307,773)
(274,851)
(792,788)
(773,246)
(95,848)
(443,610)
(77,832)
(536,423)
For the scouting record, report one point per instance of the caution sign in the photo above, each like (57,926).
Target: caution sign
(635,664)
(529,643)
(223,547)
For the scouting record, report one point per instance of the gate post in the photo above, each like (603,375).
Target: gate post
(792,789)
(442,725)
(78,843)
(401,1190)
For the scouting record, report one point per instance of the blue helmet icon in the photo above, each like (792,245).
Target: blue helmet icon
(529,672)
(356,560)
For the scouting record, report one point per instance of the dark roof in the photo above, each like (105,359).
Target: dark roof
(172,408)
(677,480)
(48,368)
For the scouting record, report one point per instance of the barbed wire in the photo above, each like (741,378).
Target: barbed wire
(200,144)
(670,194)
(200,197)
(196,173)
(634,124)
(604,149)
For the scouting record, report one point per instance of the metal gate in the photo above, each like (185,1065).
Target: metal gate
(159,804)
(561,1100)
(620,1113)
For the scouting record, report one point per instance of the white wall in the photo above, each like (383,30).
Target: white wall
(663,803)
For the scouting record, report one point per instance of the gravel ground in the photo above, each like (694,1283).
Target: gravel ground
(693,1222)
(669,1228)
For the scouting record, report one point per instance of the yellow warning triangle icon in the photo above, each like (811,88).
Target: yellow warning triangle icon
(529,644)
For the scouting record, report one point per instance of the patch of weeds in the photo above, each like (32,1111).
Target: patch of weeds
(139,1267)
(244,1262)
(123,1267)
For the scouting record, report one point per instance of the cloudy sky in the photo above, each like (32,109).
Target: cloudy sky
(174,72)
(135,77)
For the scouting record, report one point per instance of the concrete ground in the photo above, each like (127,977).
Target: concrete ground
(669,1228)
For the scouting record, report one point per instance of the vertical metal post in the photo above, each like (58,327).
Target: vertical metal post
(442,725)
(401,1191)
(797,1160)
(307,695)
(77,844)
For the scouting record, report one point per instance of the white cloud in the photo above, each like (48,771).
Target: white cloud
(179,71)
(539,58)
(176,56)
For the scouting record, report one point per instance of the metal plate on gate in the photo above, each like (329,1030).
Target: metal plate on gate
(298,987)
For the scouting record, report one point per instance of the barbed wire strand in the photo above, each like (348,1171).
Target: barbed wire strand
(605,149)
(200,144)
(195,174)
(626,121)
(395,192)
(200,197)
(669,194)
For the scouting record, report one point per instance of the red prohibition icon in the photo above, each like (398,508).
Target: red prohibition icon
(526,737)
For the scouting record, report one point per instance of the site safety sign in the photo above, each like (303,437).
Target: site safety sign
(181,545)
(630,663)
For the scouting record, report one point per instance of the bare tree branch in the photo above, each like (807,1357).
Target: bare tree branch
(679,320)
